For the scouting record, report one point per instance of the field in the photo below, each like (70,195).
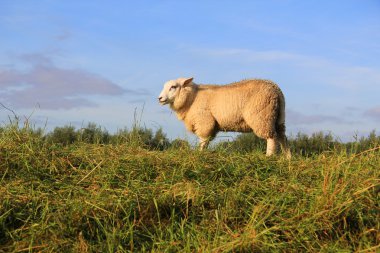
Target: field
(86,197)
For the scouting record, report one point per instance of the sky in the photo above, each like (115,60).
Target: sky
(74,62)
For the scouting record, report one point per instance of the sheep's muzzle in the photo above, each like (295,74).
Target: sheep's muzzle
(162,101)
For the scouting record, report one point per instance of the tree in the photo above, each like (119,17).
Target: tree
(160,141)
(94,134)
(180,144)
(63,135)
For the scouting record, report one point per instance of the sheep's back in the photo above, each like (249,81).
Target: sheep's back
(228,103)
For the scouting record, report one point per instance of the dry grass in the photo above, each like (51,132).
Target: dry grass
(121,198)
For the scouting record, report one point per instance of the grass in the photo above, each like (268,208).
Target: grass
(124,198)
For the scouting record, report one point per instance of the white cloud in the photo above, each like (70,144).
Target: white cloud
(355,78)
(53,87)
(298,118)
(247,54)
(373,113)
(313,69)
(64,35)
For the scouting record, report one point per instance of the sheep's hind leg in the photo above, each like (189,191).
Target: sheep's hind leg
(285,148)
(271,146)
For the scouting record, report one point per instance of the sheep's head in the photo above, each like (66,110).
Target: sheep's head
(173,90)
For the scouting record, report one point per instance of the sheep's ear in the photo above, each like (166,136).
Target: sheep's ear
(187,81)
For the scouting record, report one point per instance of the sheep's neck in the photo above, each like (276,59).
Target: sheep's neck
(182,109)
(181,114)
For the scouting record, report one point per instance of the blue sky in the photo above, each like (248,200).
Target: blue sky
(74,62)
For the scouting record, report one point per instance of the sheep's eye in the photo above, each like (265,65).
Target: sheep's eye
(173,87)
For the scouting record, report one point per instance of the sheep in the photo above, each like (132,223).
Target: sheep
(250,105)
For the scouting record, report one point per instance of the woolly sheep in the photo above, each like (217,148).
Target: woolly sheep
(249,105)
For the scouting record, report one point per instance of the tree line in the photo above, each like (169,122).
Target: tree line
(301,144)
(306,145)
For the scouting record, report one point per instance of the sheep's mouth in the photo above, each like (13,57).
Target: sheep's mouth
(163,102)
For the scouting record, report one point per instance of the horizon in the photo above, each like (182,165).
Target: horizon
(71,63)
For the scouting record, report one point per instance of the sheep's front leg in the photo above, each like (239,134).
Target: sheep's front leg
(204,128)
(203,143)
(271,146)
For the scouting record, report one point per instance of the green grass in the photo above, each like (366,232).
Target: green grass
(124,198)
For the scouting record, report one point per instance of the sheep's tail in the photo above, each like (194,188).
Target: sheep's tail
(280,123)
(281,128)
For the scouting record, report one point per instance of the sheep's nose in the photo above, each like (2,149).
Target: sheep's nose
(159,99)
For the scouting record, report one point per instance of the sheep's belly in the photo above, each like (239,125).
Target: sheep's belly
(237,126)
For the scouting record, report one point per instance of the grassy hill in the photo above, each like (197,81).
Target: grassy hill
(121,197)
